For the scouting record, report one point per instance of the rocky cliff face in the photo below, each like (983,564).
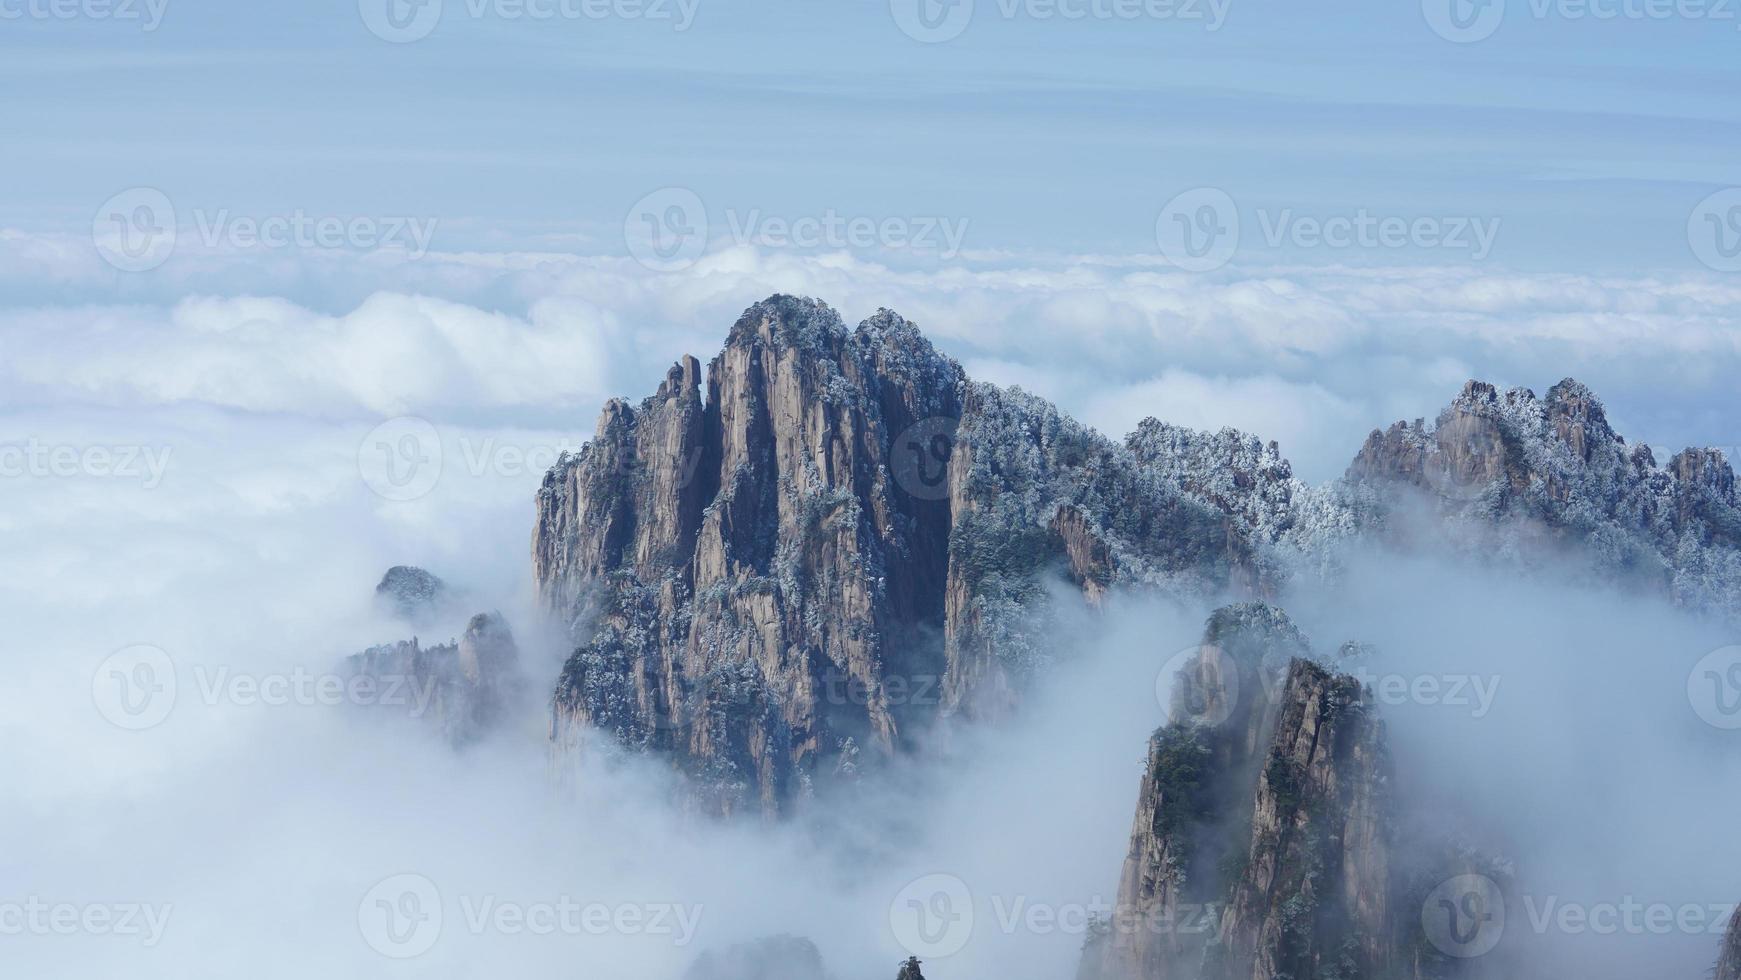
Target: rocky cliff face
(760,566)
(463,688)
(747,564)
(1032,492)
(740,566)
(1313,897)
(1262,841)
(1270,841)
(1517,475)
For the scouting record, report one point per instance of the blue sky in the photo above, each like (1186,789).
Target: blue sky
(1554,169)
(1590,140)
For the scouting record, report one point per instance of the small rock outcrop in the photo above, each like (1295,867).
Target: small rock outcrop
(465,688)
(910,970)
(769,958)
(412,594)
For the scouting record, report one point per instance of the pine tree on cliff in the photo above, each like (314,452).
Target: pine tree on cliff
(910,970)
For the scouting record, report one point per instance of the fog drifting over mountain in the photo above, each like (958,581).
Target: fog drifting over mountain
(257,831)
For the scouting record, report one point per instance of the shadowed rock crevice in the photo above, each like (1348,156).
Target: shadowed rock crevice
(465,688)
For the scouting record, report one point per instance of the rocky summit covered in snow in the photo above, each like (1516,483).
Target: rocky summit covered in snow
(752,561)
(1523,476)
(790,565)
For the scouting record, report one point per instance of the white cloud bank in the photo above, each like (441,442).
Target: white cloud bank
(1311,356)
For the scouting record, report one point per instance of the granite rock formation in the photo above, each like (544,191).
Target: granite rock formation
(1518,476)
(412,594)
(745,562)
(769,958)
(464,688)
(760,562)
(1262,841)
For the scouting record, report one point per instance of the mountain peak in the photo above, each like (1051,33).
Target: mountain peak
(786,321)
